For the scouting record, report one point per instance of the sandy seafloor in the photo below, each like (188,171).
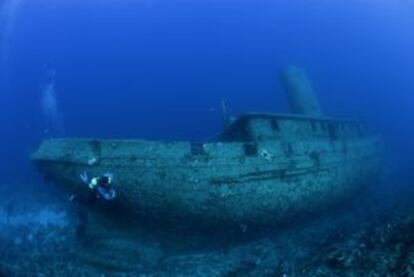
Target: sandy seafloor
(373,237)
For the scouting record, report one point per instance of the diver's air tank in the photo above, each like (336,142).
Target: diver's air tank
(302,99)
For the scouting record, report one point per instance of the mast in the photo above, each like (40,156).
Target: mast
(301,96)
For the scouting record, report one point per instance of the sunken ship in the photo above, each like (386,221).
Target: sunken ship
(262,169)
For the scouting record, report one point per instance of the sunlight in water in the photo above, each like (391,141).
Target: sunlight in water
(8,12)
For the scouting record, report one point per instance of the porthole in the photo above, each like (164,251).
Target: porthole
(250,149)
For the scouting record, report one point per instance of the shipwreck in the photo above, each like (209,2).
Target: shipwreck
(262,169)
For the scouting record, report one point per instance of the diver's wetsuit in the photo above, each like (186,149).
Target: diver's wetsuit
(99,188)
(102,190)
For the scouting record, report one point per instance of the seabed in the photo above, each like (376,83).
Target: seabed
(358,240)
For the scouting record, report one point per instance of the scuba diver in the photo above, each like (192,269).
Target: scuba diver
(99,188)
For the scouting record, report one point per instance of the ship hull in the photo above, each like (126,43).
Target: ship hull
(241,183)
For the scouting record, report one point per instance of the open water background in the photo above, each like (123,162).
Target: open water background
(159,69)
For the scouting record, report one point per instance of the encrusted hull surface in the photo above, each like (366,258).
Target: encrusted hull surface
(263,182)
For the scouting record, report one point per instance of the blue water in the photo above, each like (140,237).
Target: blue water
(159,69)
